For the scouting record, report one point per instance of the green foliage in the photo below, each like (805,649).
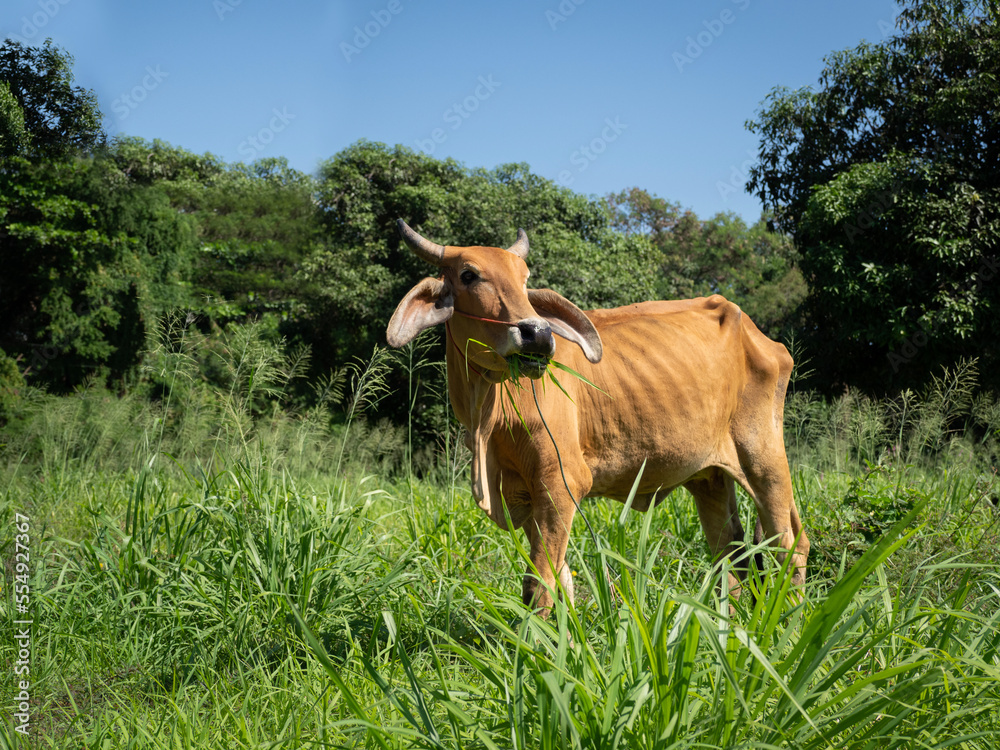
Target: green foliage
(926,92)
(195,397)
(634,211)
(12,387)
(102,246)
(941,422)
(751,266)
(241,539)
(887,177)
(902,257)
(159,162)
(58,118)
(93,258)
(14,139)
(255,224)
(871,510)
(611,271)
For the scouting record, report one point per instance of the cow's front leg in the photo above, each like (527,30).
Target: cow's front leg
(548,534)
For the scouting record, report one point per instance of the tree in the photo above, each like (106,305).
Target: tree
(635,211)
(14,138)
(752,266)
(255,224)
(87,260)
(158,162)
(59,118)
(889,180)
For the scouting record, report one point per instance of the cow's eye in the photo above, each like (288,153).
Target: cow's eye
(468,277)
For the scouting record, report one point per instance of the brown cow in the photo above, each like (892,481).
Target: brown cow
(691,387)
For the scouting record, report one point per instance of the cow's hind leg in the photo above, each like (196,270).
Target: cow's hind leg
(777,517)
(715,497)
(760,447)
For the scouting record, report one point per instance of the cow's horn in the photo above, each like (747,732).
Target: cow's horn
(520,248)
(429,251)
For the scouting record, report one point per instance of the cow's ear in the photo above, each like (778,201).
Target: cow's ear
(567,320)
(429,303)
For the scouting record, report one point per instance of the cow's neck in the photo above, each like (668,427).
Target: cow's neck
(477,406)
(492,376)
(468,387)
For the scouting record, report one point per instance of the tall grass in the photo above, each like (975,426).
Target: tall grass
(947,421)
(200,400)
(239,608)
(220,583)
(645,663)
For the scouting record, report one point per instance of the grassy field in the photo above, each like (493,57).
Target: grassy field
(214,576)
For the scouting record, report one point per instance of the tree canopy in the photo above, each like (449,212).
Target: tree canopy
(888,178)
(87,259)
(752,266)
(56,117)
(14,138)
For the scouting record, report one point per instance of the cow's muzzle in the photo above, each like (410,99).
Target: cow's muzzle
(532,345)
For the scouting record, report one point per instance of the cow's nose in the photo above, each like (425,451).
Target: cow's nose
(536,335)
(528,329)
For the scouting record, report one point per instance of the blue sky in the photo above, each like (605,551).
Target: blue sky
(594,94)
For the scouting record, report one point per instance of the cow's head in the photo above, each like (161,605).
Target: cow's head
(494,317)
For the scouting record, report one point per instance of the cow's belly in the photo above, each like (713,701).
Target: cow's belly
(669,462)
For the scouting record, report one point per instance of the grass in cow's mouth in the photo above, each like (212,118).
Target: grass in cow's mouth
(532,365)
